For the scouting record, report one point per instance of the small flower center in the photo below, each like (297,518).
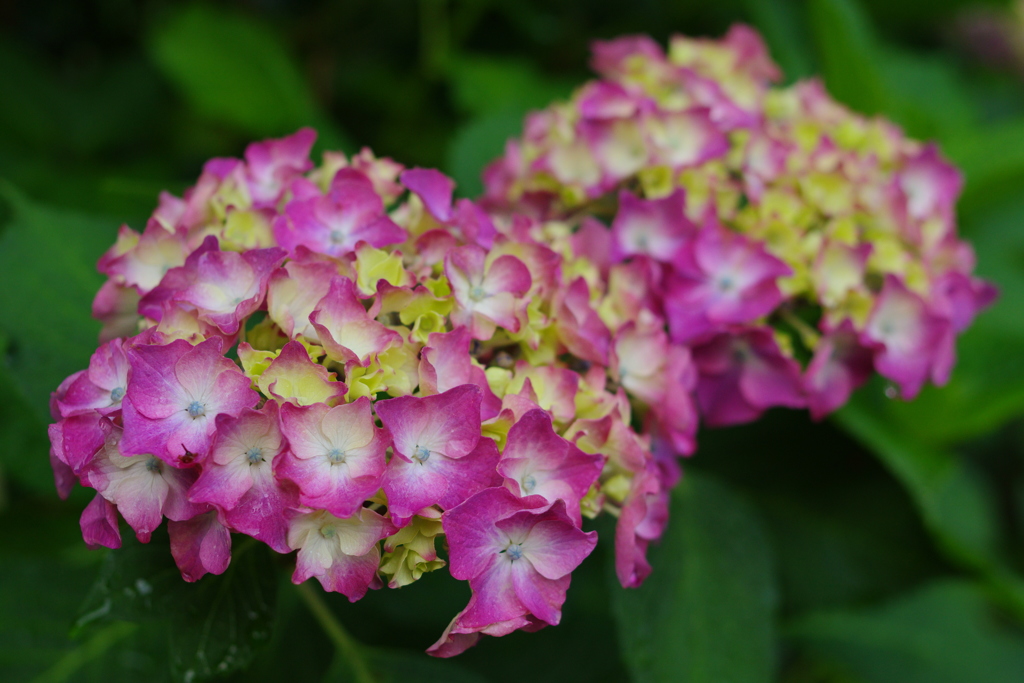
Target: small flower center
(515,552)
(421,454)
(154,465)
(336,456)
(327,531)
(196,409)
(254,455)
(117,394)
(337,236)
(726,284)
(529,483)
(477,293)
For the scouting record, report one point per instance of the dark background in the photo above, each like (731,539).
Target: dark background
(883,545)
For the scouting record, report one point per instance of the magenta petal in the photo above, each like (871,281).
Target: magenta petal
(336,455)
(99,524)
(434,188)
(542,597)
(447,423)
(555,547)
(200,545)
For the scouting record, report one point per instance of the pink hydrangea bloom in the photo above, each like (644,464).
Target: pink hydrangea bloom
(175,394)
(341,553)
(517,554)
(238,476)
(335,455)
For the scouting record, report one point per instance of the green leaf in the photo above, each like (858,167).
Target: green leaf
(477,144)
(942,633)
(47,271)
(485,85)
(213,626)
(954,503)
(991,158)
(849,55)
(236,71)
(389,665)
(23,441)
(706,613)
(781,24)
(927,95)
(37,605)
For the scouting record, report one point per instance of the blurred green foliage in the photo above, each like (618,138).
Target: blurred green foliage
(886,545)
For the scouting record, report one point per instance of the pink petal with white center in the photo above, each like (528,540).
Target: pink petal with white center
(930,184)
(200,546)
(433,188)
(343,554)
(294,378)
(445,363)
(447,423)
(238,476)
(175,393)
(416,483)
(606,100)
(350,213)
(615,58)
(336,455)
(143,266)
(840,365)
(176,280)
(494,598)
(654,227)
(99,524)
(721,277)
(486,297)
(538,462)
(493,547)
(620,147)
(144,488)
(906,337)
(553,545)
(685,139)
(103,385)
(346,330)
(271,165)
(295,289)
(225,287)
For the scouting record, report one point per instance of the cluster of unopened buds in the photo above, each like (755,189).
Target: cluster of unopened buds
(343,362)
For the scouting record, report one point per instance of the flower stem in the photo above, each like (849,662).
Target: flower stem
(347,647)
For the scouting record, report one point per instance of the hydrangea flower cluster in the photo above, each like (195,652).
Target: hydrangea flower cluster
(340,361)
(792,245)
(343,362)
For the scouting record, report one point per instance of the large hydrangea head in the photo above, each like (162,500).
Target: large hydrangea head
(331,360)
(752,206)
(345,362)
